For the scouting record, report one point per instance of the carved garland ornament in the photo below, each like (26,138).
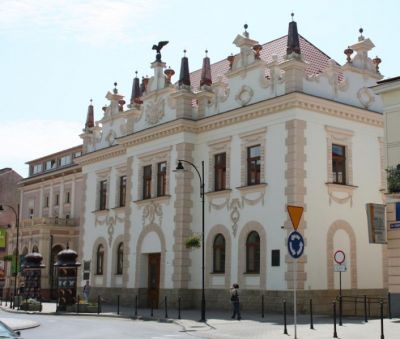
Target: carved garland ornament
(365,97)
(110,221)
(244,96)
(150,212)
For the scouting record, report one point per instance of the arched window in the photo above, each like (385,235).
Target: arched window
(100,260)
(219,254)
(253,253)
(120,258)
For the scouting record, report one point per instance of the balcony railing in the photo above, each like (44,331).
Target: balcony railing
(51,221)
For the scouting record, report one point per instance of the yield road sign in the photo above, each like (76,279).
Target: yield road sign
(295,213)
(295,245)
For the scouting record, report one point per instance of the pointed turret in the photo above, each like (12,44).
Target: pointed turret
(293,42)
(184,77)
(206,72)
(90,116)
(136,92)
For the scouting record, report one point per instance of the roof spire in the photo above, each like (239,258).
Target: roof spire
(293,43)
(206,72)
(136,92)
(90,116)
(184,77)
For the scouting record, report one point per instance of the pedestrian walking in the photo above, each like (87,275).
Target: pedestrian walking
(86,291)
(235,302)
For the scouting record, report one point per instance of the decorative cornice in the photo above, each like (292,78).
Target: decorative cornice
(235,116)
(102,154)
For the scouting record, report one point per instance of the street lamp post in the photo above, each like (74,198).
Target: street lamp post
(180,168)
(17,250)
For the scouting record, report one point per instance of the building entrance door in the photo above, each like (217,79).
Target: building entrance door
(153,281)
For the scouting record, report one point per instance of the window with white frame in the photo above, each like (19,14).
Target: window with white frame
(339,155)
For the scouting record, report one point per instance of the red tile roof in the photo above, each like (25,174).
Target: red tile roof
(317,60)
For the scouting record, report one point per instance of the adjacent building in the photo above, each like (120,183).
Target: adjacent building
(276,124)
(389,90)
(50,210)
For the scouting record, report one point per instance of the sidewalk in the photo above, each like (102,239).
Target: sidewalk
(253,326)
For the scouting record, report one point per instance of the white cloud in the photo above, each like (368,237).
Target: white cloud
(91,21)
(24,141)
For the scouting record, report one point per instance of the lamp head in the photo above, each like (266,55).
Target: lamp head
(180,166)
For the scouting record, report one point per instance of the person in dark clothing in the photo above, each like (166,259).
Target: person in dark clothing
(235,302)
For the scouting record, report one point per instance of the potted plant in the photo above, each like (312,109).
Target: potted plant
(193,241)
(393,179)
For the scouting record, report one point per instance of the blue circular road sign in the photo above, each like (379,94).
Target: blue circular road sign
(295,245)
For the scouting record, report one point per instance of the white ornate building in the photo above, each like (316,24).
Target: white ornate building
(275,124)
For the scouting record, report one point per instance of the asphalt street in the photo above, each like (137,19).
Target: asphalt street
(87,327)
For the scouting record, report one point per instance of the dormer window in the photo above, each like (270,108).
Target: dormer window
(50,164)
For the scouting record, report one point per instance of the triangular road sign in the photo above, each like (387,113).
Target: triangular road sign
(295,213)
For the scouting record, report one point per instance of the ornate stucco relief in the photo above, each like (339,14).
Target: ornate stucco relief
(150,212)
(244,96)
(110,221)
(154,111)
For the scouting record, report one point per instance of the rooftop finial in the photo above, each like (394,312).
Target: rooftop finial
(292,15)
(115,88)
(361,37)
(91,100)
(184,52)
(184,77)
(90,116)
(136,74)
(245,33)
(293,41)
(206,72)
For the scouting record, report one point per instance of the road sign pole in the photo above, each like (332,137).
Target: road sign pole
(294,297)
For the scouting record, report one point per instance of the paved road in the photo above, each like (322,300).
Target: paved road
(86,327)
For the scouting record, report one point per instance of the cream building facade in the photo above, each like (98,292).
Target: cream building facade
(276,124)
(389,90)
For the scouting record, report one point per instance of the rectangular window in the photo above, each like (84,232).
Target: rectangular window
(65,160)
(253,165)
(46,201)
(67,198)
(161,178)
(147,182)
(30,213)
(339,164)
(122,191)
(103,195)
(57,199)
(220,171)
(275,258)
(37,168)
(50,164)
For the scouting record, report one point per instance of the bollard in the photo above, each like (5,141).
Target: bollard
(136,306)
(340,310)
(166,307)
(77,305)
(179,308)
(6,301)
(262,306)
(311,316)
(284,317)
(98,304)
(389,306)
(11,301)
(365,309)
(118,304)
(334,320)
(382,335)
(151,309)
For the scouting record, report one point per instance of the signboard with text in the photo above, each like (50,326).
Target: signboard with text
(376,223)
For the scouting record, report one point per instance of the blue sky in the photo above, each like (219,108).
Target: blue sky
(57,54)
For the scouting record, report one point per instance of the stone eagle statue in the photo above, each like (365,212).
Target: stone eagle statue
(158,48)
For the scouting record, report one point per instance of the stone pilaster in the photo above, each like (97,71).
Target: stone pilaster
(127,226)
(183,219)
(295,191)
